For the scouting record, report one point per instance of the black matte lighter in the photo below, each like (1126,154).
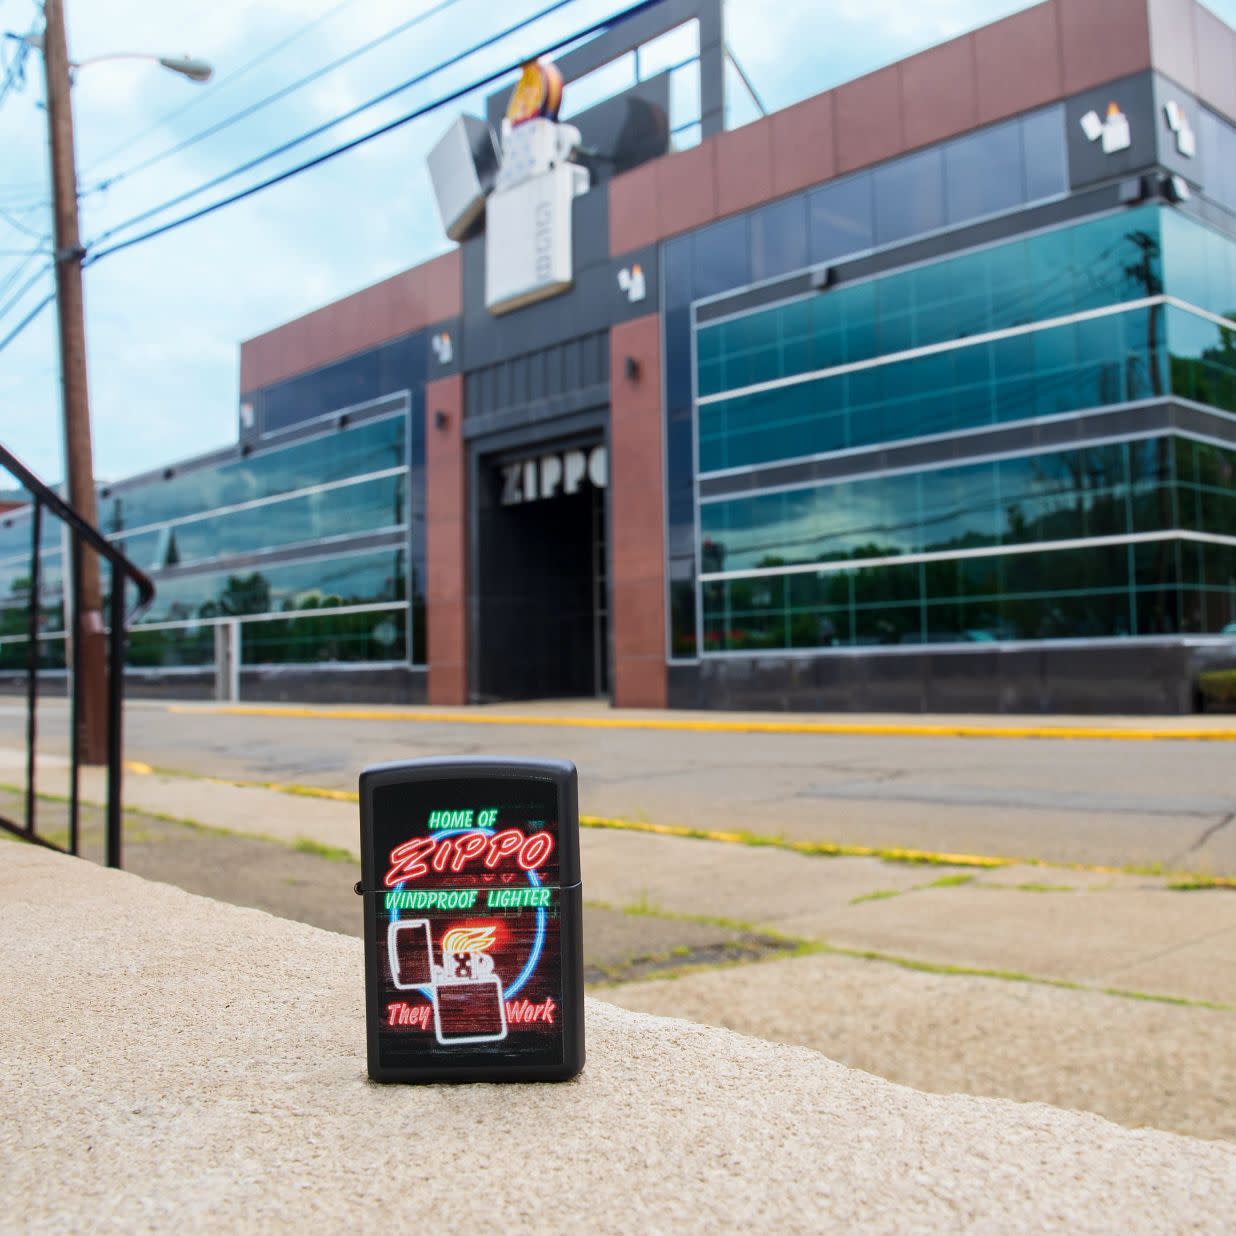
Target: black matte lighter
(473,920)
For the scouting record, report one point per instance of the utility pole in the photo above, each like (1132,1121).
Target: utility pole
(88,632)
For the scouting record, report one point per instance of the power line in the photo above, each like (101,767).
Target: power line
(354,112)
(15,72)
(488,79)
(15,274)
(282,93)
(12,221)
(442,101)
(21,326)
(225,81)
(15,299)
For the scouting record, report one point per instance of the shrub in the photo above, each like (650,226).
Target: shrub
(1218,686)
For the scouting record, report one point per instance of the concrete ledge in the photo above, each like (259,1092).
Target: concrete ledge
(169,1061)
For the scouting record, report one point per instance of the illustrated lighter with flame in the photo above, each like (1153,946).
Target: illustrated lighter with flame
(469,1003)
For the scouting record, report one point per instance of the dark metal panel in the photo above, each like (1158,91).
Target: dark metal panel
(1130,676)
(595,303)
(521,437)
(622,132)
(1088,164)
(589,230)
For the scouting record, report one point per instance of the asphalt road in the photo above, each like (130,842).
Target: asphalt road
(1170,803)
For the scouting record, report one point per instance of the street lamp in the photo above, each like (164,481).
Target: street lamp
(79,461)
(187,66)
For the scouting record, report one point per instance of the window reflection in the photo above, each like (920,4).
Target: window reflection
(909,196)
(842,218)
(369,447)
(1111,490)
(984,173)
(1091,592)
(314,583)
(367,506)
(1045,373)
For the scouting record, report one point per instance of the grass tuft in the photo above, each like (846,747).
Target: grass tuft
(878,894)
(949,881)
(336,854)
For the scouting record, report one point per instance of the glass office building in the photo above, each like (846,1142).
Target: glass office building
(918,394)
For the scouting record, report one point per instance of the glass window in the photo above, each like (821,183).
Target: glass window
(720,256)
(1055,496)
(384,370)
(779,238)
(1217,148)
(16,534)
(1092,592)
(1203,358)
(1044,151)
(1112,359)
(841,218)
(311,584)
(1055,370)
(983,172)
(373,446)
(349,510)
(325,638)
(909,196)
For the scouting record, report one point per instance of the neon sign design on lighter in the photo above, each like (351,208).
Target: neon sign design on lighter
(538,942)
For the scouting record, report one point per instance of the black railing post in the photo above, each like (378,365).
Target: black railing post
(73,631)
(32,662)
(83,536)
(115,715)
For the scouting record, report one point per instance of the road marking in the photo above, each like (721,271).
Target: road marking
(835,728)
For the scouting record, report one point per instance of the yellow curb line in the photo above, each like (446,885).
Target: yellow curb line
(817,849)
(722,727)
(823,849)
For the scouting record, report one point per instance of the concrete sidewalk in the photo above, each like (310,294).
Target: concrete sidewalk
(167,1061)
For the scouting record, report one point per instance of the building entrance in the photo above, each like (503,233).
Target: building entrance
(541,578)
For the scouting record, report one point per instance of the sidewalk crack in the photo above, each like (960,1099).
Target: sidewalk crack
(1207,834)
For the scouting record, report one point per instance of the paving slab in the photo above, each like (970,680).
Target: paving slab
(169,1061)
(1186,941)
(1133,1061)
(756,884)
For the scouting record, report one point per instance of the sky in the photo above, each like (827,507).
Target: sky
(164,319)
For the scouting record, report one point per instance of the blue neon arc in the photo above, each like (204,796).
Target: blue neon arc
(537,944)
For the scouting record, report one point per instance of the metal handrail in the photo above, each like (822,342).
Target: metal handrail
(42,496)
